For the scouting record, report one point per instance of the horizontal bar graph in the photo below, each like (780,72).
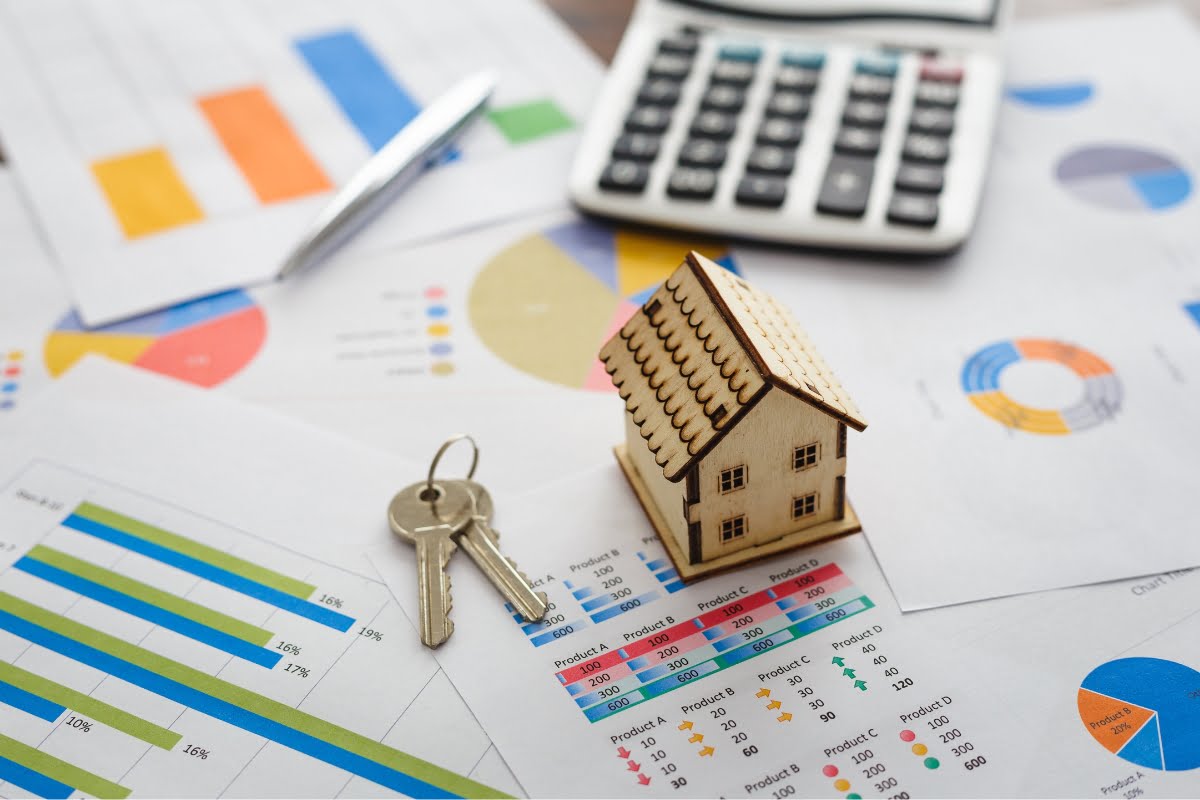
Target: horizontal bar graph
(29,703)
(34,782)
(48,776)
(146,192)
(663,571)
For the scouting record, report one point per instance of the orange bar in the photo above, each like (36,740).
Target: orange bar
(146,193)
(262,143)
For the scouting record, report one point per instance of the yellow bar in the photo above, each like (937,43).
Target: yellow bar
(146,193)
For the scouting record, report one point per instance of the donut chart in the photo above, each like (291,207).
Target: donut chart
(1122,178)
(1145,710)
(546,304)
(204,342)
(1101,389)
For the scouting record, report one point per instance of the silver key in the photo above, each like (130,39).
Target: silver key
(430,524)
(481,543)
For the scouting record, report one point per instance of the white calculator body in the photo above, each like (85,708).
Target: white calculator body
(835,123)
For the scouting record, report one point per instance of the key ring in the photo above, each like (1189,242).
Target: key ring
(438,457)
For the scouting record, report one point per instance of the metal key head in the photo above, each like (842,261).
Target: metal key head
(429,518)
(481,544)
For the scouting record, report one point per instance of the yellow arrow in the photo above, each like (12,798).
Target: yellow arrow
(706,751)
(685,726)
(785,717)
(763,692)
(774,704)
(696,737)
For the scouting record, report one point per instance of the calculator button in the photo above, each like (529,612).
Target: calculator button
(624,176)
(789,104)
(797,79)
(648,119)
(703,153)
(670,66)
(921,178)
(714,125)
(944,71)
(913,209)
(870,87)
(741,52)
(877,65)
(937,93)
(681,44)
(780,132)
(811,60)
(926,149)
(938,121)
(759,190)
(865,114)
(857,141)
(659,92)
(692,184)
(846,186)
(636,147)
(723,97)
(736,73)
(771,160)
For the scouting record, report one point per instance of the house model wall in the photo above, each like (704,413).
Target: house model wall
(736,430)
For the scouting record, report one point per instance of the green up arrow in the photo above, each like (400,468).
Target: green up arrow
(861,685)
(849,673)
(839,661)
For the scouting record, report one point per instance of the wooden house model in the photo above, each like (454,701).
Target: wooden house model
(735,427)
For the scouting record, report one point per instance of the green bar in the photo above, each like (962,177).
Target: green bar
(530,121)
(248,700)
(155,597)
(111,716)
(60,771)
(196,550)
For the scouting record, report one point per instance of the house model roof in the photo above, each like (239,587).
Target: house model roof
(701,352)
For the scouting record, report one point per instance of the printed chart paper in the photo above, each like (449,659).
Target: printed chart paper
(161,632)
(173,150)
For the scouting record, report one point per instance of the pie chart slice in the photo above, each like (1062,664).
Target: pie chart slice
(204,342)
(1052,95)
(547,303)
(1145,710)
(1124,178)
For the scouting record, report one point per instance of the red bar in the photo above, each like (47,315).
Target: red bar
(572,674)
(642,646)
(806,581)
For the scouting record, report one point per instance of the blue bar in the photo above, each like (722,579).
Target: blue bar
(601,711)
(530,628)
(579,594)
(637,663)
(664,685)
(786,603)
(748,651)
(30,703)
(161,617)
(374,102)
(549,636)
(672,588)
(574,688)
(34,782)
(220,709)
(714,633)
(625,605)
(596,602)
(208,572)
(656,565)
(667,575)
(816,623)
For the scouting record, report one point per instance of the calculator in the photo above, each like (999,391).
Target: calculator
(833,123)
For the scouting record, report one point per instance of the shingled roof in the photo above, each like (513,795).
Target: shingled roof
(701,352)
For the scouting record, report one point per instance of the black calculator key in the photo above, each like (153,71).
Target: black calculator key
(659,92)
(648,119)
(692,184)
(681,44)
(926,149)
(760,190)
(670,66)
(922,178)
(771,160)
(864,86)
(714,125)
(929,119)
(703,153)
(780,132)
(636,147)
(865,114)
(624,176)
(857,141)
(735,73)
(937,93)
(846,186)
(797,79)
(913,209)
(723,97)
(789,104)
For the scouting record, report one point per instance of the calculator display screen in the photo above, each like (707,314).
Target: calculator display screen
(980,12)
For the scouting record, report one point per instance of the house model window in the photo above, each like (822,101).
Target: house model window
(733,478)
(734,528)
(806,456)
(804,506)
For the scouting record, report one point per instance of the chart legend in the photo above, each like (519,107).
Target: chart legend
(1123,178)
(11,367)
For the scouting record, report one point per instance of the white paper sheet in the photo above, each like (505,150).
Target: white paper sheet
(173,150)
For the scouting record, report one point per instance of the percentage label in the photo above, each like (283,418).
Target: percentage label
(79,724)
(371,633)
(288,647)
(196,752)
(330,600)
(296,669)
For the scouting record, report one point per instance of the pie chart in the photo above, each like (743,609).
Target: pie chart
(1145,710)
(204,342)
(1124,178)
(547,303)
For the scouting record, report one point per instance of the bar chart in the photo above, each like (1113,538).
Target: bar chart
(142,645)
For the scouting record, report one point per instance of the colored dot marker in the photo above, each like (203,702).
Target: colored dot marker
(932,763)
(854,796)
(436,312)
(15,355)
(12,372)
(841,784)
(435,293)
(8,387)
(829,771)
(5,405)
(907,736)
(438,329)
(441,349)
(442,368)
(919,749)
